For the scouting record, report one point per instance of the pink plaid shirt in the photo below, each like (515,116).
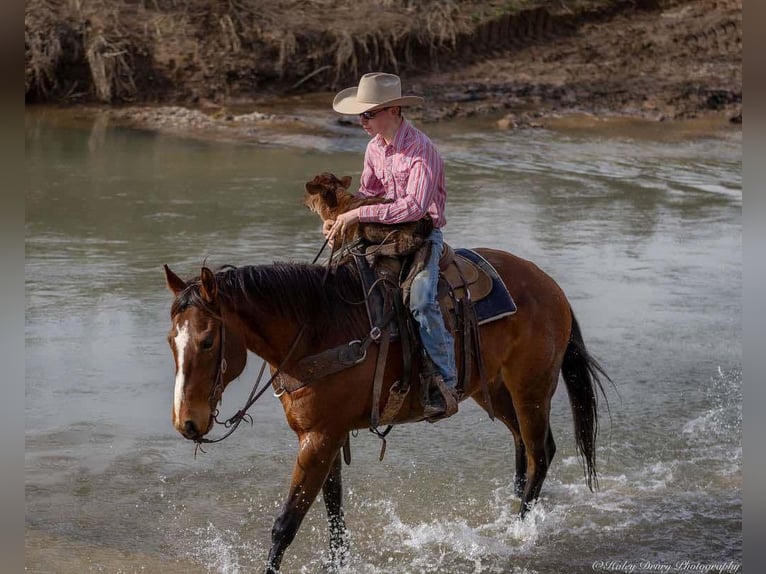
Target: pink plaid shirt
(410,171)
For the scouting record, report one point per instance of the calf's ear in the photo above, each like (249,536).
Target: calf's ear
(312,187)
(330,197)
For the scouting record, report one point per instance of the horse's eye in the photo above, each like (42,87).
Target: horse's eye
(206,344)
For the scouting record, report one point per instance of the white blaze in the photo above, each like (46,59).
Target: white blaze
(180,341)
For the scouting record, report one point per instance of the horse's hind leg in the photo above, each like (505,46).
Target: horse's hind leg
(332,493)
(502,405)
(550,446)
(533,413)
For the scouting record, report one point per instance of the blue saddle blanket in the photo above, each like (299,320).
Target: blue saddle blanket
(499,302)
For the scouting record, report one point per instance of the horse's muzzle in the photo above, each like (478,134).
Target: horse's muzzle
(191,431)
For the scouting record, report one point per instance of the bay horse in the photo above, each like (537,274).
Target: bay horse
(283,312)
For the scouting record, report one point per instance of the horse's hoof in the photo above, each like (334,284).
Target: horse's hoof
(337,561)
(333,566)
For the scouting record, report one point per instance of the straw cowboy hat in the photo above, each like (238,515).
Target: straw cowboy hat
(376,90)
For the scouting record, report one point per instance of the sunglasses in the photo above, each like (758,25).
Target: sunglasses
(371,115)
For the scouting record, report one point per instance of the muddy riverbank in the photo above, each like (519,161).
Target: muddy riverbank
(164,66)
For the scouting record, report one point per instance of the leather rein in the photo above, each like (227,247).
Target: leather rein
(216,392)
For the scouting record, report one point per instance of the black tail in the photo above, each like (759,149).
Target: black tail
(582,376)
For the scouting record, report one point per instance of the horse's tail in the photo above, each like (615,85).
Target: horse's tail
(582,376)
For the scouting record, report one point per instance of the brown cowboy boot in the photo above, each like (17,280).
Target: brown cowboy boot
(442,400)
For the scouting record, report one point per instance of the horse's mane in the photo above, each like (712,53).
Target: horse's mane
(305,293)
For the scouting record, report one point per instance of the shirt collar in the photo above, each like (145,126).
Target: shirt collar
(399,137)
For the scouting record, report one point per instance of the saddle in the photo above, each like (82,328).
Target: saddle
(459,279)
(462,283)
(466,279)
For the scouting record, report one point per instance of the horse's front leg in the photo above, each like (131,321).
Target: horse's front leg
(316,456)
(332,493)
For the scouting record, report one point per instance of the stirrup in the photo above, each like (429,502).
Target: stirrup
(432,412)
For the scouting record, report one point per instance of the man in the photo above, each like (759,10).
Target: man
(401,163)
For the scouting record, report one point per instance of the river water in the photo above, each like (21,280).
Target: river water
(641,225)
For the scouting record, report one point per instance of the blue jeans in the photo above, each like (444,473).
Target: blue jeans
(436,339)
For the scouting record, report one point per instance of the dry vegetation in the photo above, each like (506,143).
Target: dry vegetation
(143,50)
(660,59)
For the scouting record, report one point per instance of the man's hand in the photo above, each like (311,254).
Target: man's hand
(326,227)
(338,227)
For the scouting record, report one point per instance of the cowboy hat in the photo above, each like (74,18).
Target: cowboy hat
(376,90)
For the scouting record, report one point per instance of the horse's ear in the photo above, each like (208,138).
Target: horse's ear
(207,285)
(173,281)
(345,181)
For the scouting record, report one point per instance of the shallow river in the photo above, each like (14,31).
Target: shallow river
(640,225)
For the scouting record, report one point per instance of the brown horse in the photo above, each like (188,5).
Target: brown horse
(284,312)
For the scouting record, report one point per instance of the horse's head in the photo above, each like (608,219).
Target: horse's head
(208,349)
(327,196)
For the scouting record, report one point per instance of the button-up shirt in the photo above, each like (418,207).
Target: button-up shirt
(410,171)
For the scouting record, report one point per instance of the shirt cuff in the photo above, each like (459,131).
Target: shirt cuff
(368,213)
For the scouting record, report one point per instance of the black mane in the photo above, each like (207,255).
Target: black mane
(305,293)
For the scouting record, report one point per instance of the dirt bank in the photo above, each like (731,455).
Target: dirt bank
(529,59)
(683,61)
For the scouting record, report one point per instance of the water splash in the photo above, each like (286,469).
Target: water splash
(219,550)
(452,541)
(722,422)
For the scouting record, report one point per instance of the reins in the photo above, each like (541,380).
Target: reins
(233,422)
(357,348)
(216,393)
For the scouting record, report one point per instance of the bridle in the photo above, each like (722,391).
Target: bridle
(216,392)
